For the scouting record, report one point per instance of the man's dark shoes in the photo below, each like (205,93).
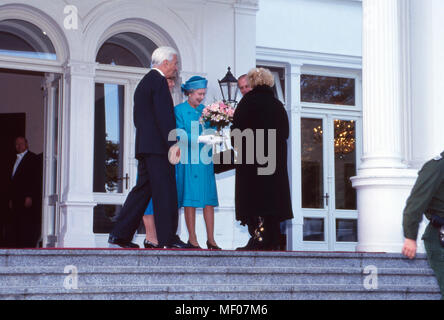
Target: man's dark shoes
(149,245)
(122,243)
(177,243)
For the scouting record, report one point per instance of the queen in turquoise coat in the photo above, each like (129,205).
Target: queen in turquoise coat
(196,183)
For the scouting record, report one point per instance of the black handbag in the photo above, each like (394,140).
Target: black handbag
(224,161)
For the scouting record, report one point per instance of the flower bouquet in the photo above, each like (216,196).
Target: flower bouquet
(217,114)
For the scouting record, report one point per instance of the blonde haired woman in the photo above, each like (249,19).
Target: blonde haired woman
(262,201)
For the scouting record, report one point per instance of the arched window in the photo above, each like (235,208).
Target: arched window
(112,136)
(23,39)
(127,49)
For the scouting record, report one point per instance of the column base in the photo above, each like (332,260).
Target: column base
(76,225)
(382,194)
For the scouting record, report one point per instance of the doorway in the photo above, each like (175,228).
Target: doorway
(328,160)
(22,113)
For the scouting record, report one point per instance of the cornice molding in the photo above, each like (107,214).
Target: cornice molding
(298,57)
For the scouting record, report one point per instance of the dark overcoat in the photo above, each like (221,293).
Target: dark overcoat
(153,115)
(262,194)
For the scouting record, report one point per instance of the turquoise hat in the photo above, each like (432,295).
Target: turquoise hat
(194,83)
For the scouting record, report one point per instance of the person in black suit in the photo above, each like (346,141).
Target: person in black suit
(25,216)
(154,121)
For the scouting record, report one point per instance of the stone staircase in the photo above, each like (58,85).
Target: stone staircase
(201,274)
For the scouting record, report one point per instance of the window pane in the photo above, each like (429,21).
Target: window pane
(313,229)
(108,138)
(346,230)
(345,163)
(127,49)
(331,90)
(312,163)
(23,39)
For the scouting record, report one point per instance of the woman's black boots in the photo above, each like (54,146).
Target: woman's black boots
(265,235)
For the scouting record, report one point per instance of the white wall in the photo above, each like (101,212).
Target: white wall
(21,93)
(327,26)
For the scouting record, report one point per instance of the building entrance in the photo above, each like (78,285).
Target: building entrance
(21,115)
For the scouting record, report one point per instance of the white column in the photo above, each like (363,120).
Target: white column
(294,240)
(381,85)
(76,207)
(383,182)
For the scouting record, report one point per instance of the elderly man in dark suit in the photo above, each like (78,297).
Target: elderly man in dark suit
(154,121)
(25,219)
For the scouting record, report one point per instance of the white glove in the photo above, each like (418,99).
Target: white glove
(210,139)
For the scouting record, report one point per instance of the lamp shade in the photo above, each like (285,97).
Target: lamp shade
(228,87)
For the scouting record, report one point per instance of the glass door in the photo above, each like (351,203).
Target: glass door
(328,160)
(314,186)
(52,146)
(111,180)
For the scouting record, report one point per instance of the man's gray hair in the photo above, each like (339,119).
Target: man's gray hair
(161,54)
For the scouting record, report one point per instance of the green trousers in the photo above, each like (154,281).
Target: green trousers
(435,254)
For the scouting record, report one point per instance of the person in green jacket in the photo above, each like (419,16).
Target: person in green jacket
(427,197)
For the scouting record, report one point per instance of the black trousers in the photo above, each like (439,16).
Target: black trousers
(157,180)
(22,227)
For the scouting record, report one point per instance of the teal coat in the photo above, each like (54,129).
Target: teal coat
(196,184)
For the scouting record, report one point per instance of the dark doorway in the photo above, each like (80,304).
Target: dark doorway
(21,114)
(11,126)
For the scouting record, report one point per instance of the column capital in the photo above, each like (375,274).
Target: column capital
(80,68)
(295,68)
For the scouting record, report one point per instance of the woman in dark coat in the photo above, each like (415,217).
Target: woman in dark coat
(262,189)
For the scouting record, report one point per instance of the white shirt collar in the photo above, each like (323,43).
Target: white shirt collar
(159,71)
(21,155)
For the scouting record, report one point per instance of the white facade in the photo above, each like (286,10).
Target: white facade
(390,49)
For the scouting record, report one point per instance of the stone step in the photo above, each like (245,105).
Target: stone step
(204,274)
(223,292)
(96,276)
(141,257)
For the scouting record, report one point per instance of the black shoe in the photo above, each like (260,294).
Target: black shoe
(149,245)
(249,245)
(190,246)
(122,243)
(256,244)
(211,247)
(177,243)
(273,247)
